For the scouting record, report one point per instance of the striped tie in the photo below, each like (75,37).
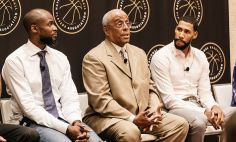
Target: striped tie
(48,98)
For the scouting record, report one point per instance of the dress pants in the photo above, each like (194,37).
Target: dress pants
(51,135)
(172,129)
(198,122)
(17,133)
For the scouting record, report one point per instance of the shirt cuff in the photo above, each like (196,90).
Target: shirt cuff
(131,118)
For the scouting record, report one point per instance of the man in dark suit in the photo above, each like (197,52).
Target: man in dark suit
(123,102)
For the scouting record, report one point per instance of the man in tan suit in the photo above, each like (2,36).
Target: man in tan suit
(123,102)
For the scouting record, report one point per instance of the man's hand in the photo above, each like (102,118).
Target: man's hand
(146,119)
(215,117)
(2,139)
(77,132)
(157,120)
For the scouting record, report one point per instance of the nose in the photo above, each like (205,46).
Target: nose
(181,35)
(54,27)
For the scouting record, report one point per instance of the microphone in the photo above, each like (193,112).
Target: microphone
(125,57)
(187,69)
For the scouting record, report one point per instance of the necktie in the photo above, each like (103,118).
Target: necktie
(233,103)
(48,98)
(124,55)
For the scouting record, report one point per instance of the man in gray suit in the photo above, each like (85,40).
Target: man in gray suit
(123,102)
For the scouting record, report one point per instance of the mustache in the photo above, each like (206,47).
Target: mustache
(176,39)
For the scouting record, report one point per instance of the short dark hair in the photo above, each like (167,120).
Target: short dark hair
(191,20)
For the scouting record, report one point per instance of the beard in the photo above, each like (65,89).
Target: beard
(186,44)
(48,41)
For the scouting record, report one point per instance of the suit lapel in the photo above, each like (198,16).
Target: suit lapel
(116,59)
(132,59)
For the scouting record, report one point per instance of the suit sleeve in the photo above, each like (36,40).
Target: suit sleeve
(97,86)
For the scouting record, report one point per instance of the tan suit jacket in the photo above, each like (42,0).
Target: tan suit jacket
(114,91)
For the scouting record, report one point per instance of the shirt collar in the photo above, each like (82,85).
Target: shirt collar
(118,48)
(33,49)
(178,52)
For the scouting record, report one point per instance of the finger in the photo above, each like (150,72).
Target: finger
(221,118)
(145,129)
(212,115)
(218,116)
(146,112)
(84,129)
(159,107)
(82,136)
(155,118)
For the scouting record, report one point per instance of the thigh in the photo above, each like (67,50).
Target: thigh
(17,133)
(122,131)
(50,135)
(190,115)
(93,137)
(169,123)
(229,112)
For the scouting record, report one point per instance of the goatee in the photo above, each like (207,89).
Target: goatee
(48,41)
(183,46)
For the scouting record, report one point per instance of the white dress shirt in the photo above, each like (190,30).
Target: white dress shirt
(175,82)
(22,76)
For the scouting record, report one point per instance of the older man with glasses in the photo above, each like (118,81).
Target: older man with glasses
(123,102)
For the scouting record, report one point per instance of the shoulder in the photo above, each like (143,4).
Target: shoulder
(136,49)
(164,52)
(198,53)
(97,51)
(56,53)
(17,54)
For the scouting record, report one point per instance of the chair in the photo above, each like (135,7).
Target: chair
(83,98)
(223,94)
(6,112)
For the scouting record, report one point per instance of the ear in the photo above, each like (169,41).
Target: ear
(106,30)
(195,35)
(34,28)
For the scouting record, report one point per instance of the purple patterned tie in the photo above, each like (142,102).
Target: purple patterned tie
(233,103)
(48,98)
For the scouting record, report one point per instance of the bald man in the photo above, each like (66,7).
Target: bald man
(123,103)
(39,80)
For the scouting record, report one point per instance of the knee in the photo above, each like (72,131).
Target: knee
(184,124)
(131,134)
(31,134)
(198,126)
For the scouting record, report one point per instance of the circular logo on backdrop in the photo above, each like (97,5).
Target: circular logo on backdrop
(138,12)
(216,59)
(71,16)
(188,7)
(10,14)
(152,51)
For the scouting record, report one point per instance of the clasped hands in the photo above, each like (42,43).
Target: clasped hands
(77,132)
(215,117)
(146,120)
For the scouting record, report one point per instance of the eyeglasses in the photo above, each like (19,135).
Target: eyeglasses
(122,24)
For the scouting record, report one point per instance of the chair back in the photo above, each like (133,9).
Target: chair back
(223,94)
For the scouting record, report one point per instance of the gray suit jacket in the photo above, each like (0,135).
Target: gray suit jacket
(114,91)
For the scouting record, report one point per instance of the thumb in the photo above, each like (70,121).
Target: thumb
(159,107)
